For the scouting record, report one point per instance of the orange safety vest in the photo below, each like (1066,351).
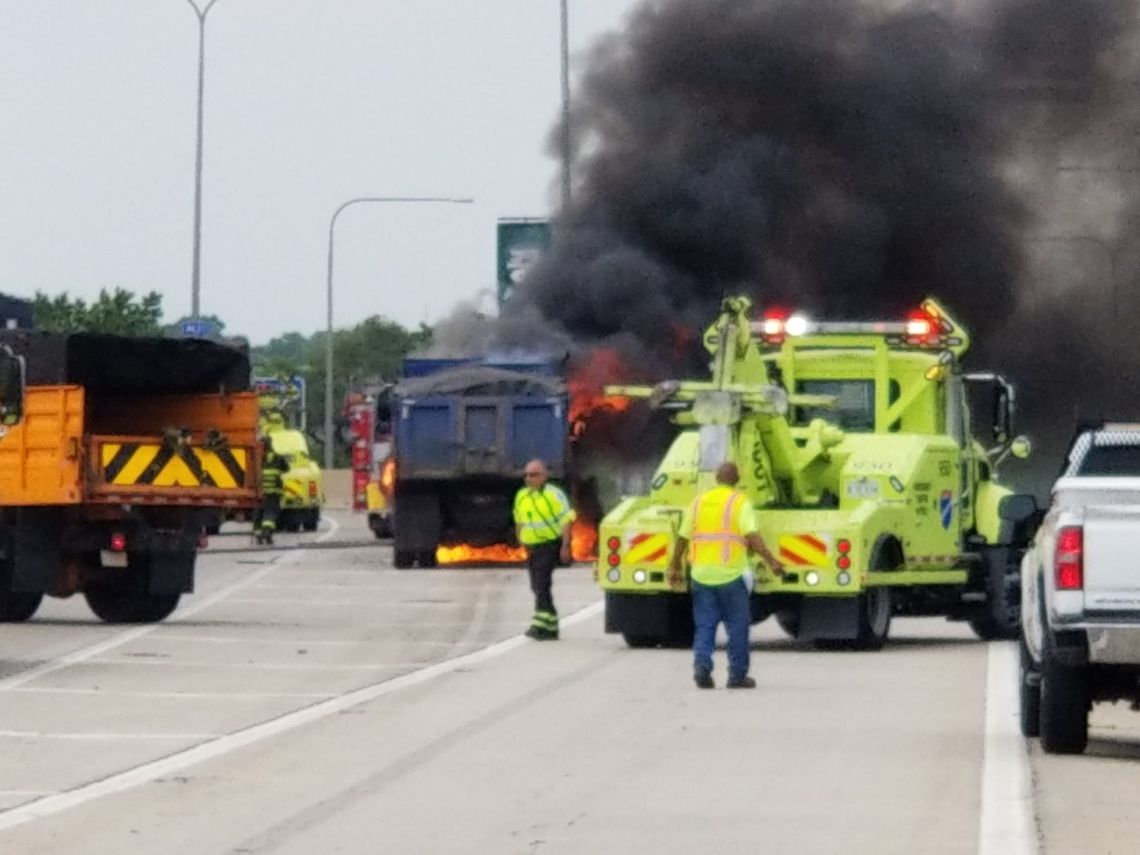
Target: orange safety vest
(717,540)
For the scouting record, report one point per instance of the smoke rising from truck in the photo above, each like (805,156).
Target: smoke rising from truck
(847,159)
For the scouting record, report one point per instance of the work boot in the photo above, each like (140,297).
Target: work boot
(533,632)
(704,680)
(741,683)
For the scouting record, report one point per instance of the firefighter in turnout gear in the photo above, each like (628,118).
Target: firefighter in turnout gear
(542,520)
(717,532)
(272,487)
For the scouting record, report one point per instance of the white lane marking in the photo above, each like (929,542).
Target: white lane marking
(251,640)
(93,650)
(50,805)
(302,642)
(26,793)
(399,605)
(180,696)
(1006,825)
(105,737)
(257,666)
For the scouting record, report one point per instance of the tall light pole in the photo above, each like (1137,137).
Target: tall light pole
(196,274)
(329,324)
(565,54)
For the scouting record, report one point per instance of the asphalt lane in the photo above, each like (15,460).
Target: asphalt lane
(319,700)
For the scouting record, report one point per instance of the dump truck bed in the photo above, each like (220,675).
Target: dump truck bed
(119,420)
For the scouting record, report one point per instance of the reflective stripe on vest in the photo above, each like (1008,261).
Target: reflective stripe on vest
(704,540)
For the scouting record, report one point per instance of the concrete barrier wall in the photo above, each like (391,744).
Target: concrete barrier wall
(338,489)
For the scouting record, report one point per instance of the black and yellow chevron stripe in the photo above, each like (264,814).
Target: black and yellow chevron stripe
(157,465)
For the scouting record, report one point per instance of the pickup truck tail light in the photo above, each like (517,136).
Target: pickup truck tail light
(1068,560)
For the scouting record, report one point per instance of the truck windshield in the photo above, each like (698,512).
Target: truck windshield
(854,408)
(1118,460)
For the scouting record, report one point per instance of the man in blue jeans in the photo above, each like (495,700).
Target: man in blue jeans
(717,532)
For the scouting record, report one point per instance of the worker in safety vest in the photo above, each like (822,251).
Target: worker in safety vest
(543,515)
(717,532)
(272,488)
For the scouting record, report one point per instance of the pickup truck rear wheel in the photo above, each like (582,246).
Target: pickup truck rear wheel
(18,606)
(1029,683)
(1064,707)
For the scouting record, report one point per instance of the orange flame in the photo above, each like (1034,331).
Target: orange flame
(583,540)
(583,547)
(465,554)
(586,384)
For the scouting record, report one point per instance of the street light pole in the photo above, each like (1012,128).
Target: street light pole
(329,295)
(565,54)
(196,271)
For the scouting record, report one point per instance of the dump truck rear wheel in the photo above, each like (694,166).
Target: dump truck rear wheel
(127,600)
(426,558)
(18,606)
(640,642)
(402,560)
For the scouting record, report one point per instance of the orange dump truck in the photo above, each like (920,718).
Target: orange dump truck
(124,448)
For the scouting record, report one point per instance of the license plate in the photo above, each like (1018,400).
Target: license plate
(112,559)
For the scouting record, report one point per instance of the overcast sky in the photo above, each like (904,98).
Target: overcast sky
(308,103)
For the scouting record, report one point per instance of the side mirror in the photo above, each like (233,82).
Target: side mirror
(11,389)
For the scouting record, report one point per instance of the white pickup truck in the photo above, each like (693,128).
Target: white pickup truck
(1080,588)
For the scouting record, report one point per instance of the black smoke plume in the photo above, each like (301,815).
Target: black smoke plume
(849,158)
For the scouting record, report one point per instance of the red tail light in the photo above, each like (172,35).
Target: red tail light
(614,543)
(1068,560)
(118,542)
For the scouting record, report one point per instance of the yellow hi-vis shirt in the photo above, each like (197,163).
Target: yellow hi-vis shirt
(542,514)
(715,525)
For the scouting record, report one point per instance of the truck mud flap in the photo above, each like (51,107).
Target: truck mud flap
(829,618)
(171,572)
(659,615)
(35,549)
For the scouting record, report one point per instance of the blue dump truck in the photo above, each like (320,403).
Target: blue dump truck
(464,430)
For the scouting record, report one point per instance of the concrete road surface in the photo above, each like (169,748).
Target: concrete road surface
(313,699)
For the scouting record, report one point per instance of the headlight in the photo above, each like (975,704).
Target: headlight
(639,577)
(812,578)
(614,575)
(843,578)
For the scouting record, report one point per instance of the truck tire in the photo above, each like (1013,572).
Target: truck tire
(312,521)
(128,600)
(1002,619)
(402,560)
(875,608)
(789,621)
(640,642)
(18,606)
(1029,694)
(426,559)
(1064,721)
